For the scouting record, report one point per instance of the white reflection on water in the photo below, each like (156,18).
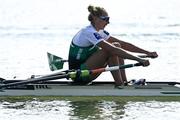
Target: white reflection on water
(111,110)
(89,110)
(152,110)
(52,110)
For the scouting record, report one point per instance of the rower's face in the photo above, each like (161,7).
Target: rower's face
(102,21)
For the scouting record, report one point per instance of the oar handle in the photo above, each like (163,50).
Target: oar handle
(138,64)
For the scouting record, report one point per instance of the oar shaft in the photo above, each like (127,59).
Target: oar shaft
(35,80)
(57,73)
(113,68)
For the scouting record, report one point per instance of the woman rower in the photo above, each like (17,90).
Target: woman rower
(93,47)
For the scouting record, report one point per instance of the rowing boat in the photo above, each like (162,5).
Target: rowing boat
(51,85)
(96,88)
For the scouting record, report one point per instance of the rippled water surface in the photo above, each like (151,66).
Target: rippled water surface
(80,110)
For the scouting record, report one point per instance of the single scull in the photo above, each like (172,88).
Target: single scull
(51,85)
(66,88)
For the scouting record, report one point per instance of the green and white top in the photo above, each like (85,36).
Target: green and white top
(84,45)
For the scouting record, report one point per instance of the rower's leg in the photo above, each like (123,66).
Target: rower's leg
(100,59)
(114,61)
(121,62)
(123,72)
(97,60)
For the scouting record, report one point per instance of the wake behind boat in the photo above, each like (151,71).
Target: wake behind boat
(67,88)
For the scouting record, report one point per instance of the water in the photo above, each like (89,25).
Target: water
(89,110)
(29,29)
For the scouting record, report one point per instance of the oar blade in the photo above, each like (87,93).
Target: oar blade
(55,62)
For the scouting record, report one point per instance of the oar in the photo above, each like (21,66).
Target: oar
(71,74)
(54,76)
(34,80)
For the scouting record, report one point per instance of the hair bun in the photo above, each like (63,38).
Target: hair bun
(91,8)
(95,11)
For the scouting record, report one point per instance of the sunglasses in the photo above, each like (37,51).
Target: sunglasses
(105,18)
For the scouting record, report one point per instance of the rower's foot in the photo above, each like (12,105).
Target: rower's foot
(118,87)
(125,83)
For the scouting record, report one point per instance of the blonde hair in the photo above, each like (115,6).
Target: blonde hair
(95,11)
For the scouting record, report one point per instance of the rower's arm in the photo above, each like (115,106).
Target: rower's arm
(132,48)
(117,51)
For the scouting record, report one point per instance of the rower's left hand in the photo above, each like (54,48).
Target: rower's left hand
(144,62)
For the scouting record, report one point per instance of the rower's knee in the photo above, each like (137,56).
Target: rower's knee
(117,44)
(109,54)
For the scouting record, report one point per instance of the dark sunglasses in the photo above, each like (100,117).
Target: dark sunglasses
(105,18)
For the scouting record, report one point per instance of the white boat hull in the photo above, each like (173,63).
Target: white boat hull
(96,89)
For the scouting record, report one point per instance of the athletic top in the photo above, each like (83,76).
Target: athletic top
(88,36)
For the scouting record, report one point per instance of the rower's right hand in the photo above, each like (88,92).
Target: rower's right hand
(144,62)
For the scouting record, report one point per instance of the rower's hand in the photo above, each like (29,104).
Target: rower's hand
(144,62)
(152,55)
